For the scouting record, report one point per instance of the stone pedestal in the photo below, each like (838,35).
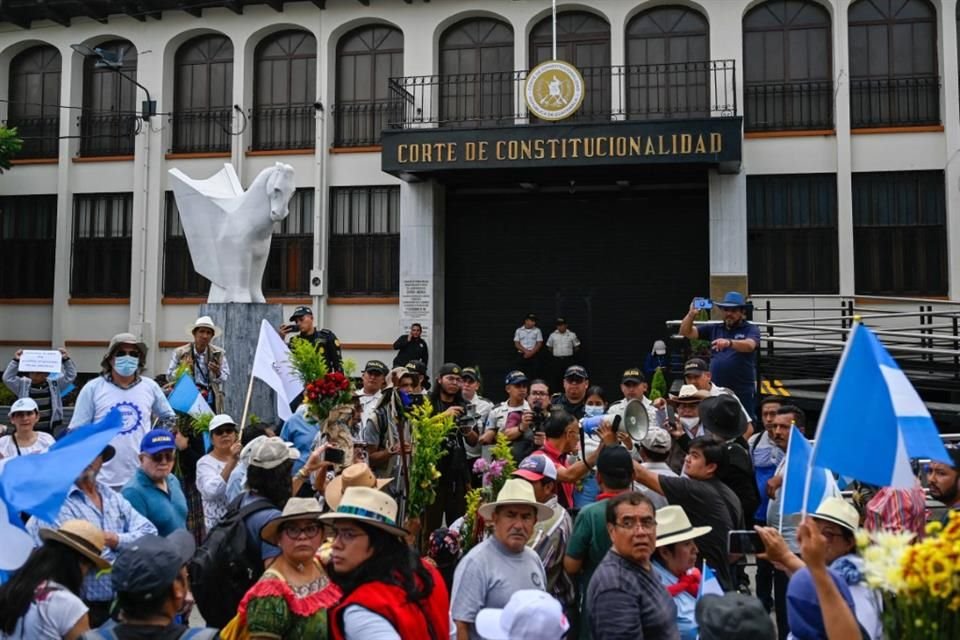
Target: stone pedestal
(240,323)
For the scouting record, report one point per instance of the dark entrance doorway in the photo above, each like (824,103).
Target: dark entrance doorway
(616,260)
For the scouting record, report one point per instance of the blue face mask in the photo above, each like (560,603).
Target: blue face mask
(592,411)
(126,365)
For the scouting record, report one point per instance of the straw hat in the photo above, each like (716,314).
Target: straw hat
(516,492)
(204,322)
(81,536)
(689,394)
(295,509)
(356,475)
(369,506)
(839,512)
(673,526)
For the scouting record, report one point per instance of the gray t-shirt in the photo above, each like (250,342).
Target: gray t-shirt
(488,576)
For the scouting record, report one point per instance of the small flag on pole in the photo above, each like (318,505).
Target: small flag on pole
(709,585)
(822,484)
(873,420)
(271,363)
(186,398)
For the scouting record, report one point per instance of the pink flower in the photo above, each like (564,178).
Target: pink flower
(480,465)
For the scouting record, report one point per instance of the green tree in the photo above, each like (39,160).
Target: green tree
(10,144)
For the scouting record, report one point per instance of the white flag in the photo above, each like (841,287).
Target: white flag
(271,363)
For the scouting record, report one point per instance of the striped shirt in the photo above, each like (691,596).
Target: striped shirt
(41,395)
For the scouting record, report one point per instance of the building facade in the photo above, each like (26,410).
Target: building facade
(776,147)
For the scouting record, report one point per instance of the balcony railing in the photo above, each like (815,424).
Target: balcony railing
(41,136)
(108,134)
(788,106)
(634,92)
(894,102)
(206,131)
(358,124)
(286,127)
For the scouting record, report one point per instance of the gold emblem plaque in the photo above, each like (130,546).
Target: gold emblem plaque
(554,90)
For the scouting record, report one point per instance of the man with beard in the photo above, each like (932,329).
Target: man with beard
(733,342)
(944,482)
(503,563)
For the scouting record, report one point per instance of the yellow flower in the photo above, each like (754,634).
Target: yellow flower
(934,527)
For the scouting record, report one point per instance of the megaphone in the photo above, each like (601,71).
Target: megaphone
(633,416)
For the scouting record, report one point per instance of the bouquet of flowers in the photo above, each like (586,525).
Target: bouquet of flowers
(919,583)
(322,390)
(495,474)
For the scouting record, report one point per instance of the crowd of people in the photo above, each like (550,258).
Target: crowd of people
(300,530)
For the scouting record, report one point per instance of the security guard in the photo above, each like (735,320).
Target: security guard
(324,340)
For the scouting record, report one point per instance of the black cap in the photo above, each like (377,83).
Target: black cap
(576,371)
(301,311)
(151,563)
(417,366)
(448,369)
(632,375)
(615,463)
(732,616)
(530,316)
(695,366)
(376,366)
(470,373)
(516,377)
(560,321)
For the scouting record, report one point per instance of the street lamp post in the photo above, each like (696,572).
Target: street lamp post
(104,59)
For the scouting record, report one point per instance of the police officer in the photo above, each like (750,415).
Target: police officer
(324,340)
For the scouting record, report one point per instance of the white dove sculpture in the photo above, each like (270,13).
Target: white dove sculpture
(229,230)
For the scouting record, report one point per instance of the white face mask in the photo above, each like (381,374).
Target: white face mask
(591,411)
(690,423)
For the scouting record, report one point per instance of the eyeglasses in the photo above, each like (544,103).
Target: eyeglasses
(633,524)
(347,535)
(127,352)
(539,393)
(308,531)
(163,456)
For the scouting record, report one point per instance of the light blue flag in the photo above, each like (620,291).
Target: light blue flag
(709,585)
(873,420)
(39,484)
(822,484)
(186,398)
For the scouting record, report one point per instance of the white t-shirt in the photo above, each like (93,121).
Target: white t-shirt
(213,489)
(8,447)
(563,344)
(497,420)
(368,404)
(53,612)
(528,338)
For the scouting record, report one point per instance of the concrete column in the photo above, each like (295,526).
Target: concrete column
(951,126)
(728,233)
(841,74)
(422,262)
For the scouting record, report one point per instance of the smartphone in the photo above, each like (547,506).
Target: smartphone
(702,303)
(288,327)
(333,455)
(744,541)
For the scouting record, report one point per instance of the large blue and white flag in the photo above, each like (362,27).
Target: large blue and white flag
(873,420)
(822,483)
(709,585)
(186,398)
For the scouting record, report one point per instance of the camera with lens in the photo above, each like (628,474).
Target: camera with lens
(469,418)
(540,415)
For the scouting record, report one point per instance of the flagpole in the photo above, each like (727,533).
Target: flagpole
(246,404)
(554,29)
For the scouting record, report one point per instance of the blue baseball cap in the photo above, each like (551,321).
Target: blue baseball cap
(516,377)
(732,300)
(156,441)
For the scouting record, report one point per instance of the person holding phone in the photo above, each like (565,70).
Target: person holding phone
(411,346)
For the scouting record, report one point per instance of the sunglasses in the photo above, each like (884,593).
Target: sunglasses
(163,456)
(222,431)
(127,352)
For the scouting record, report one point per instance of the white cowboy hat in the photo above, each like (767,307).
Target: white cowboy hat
(369,506)
(673,526)
(356,475)
(689,394)
(203,322)
(839,512)
(516,492)
(295,509)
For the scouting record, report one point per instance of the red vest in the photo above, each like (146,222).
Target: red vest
(411,620)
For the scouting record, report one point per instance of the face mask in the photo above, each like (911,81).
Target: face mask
(592,411)
(690,423)
(126,365)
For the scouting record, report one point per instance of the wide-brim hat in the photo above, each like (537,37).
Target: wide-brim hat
(371,507)
(516,492)
(839,512)
(689,394)
(81,536)
(124,338)
(204,322)
(732,300)
(295,509)
(356,475)
(674,526)
(723,416)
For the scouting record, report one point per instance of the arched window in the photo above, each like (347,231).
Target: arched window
(285,88)
(203,95)
(34,98)
(788,83)
(894,79)
(668,64)
(476,73)
(367,58)
(108,124)
(583,39)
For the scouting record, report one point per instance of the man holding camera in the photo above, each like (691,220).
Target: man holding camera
(476,405)
(324,340)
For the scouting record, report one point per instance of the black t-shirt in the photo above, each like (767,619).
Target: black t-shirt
(708,503)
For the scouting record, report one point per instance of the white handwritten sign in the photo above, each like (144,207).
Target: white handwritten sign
(36,360)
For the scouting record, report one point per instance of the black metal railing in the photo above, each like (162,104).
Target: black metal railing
(788,106)
(208,131)
(286,127)
(41,136)
(358,124)
(655,91)
(894,102)
(108,134)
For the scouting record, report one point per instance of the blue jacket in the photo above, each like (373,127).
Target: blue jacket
(167,511)
(301,434)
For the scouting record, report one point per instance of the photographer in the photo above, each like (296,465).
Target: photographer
(324,340)
(454,473)
(479,406)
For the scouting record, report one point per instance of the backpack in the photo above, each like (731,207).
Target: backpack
(225,566)
(107,632)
